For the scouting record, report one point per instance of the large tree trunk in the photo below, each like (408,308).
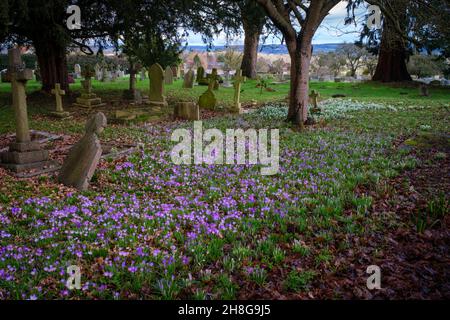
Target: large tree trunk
(253,19)
(251,43)
(392,57)
(298,95)
(52,61)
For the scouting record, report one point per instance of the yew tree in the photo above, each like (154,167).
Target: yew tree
(42,24)
(253,20)
(298,21)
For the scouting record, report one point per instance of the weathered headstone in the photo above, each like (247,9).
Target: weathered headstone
(238,80)
(23,154)
(84,156)
(77,69)
(156,95)
(88,99)
(423,89)
(214,77)
(59,113)
(226,82)
(189,79)
(175,71)
(142,75)
(168,76)
(98,72)
(200,74)
(313,97)
(187,110)
(208,100)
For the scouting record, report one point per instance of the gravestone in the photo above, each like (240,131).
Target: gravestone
(104,74)
(423,89)
(189,79)
(88,99)
(187,110)
(84,156)
(200,74)
(156,95)
(168,76)
(181,71)
(108,76)
(98,72)
(214,77)
(59,112)
(238,80)
(226,83)
(114,75)
(314,96)
(208,99)
(175,71)
(142,75)
(23,154)
(77,69)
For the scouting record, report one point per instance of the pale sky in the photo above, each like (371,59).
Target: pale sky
(332,30)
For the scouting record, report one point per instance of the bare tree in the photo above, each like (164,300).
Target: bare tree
(353,55)
(298,21)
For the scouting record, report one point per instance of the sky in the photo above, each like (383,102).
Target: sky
(332,30)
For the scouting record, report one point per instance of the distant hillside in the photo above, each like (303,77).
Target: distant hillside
(268,49)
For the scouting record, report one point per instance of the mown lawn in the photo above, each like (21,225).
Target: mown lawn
(151,229)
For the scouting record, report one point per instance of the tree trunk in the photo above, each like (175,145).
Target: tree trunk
(298,95)
(132,77)
(52,61)
(251,43)
(392,57)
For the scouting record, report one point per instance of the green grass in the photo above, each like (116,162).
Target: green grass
(153,230)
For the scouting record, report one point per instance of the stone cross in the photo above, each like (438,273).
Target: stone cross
(58,95)
(238,80)
(23,154)
(19,77)
(314,96)
(84,156)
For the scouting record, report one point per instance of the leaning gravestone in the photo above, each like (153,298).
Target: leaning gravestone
(83,158)
(23,154)
(187,110)
(156,95)
(59,112)
(168,76)
(189,79)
